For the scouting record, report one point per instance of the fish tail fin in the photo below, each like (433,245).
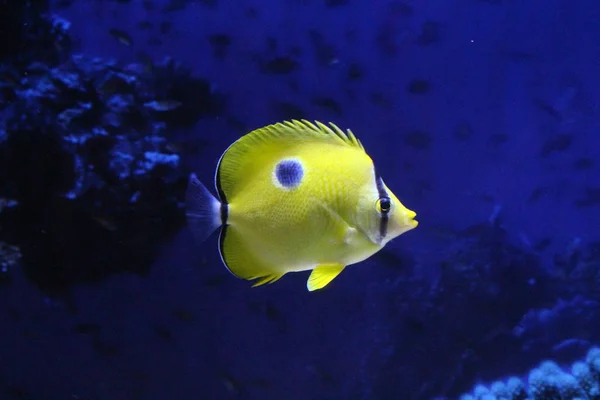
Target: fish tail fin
(202,209)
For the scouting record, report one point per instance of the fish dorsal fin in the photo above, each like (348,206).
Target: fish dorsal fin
(306,130)
(249,154)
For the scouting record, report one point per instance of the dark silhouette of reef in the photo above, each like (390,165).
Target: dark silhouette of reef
(494,307)
(90,183)
(28,35)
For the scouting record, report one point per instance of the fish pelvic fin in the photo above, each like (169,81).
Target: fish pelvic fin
(322,274)
(204,212)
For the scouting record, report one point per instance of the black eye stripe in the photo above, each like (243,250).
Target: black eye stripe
(383,221)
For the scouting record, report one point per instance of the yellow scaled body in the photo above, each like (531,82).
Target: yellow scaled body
(297,196)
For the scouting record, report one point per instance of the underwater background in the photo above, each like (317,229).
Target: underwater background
(482,116)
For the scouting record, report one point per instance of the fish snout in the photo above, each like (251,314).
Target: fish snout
(409,219)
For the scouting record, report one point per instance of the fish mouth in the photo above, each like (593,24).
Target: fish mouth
(411,222)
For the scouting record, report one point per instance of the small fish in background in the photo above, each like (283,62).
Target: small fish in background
(184,315)
(219,43)
(327,103)
(148,5)
(557,144)
(251,12)
(175,147)
(175,5)
(325,53)
(538,193)
(145,25)
(548,109)
(104,349)
(62,4)
(187,146)
(418,86)
(122,37)
(430,33)
(380,100)
(272,44)
(236,123)
(418,140)
(355,72)
(214,280)
(268,310)
(231,385)
(279,66)
(106,222)
(165,27)
(86,328)
(286,110)
(463,131)
(163,105)
(542,244)
(209,3)
(163,333)
(336,3)
(583,163)
(146,61)
(296,196)
(154,41)
(113,86)
(324,375)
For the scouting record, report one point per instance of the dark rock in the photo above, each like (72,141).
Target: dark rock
(96,184)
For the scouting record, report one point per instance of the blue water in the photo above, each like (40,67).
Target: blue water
(481,115)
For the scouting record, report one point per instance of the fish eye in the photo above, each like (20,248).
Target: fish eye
(384,204)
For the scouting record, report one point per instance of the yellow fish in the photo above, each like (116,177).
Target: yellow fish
(296,196)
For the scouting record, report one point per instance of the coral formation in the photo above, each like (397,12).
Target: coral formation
(548,382)
(85,152)
(9,255)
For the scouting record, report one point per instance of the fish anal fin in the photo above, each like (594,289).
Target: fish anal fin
(268,279)
(322,274)
(237,255)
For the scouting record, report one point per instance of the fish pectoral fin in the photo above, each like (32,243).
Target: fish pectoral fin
(322,275)
(351,234)
(347,233)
